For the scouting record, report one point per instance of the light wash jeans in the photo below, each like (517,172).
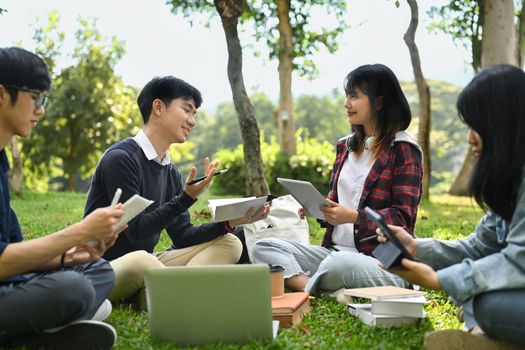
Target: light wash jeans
(329,270)
(499,314)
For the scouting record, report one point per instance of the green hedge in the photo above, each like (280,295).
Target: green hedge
(313,162)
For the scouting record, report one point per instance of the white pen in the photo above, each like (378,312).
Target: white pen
(114,202)
(116,197)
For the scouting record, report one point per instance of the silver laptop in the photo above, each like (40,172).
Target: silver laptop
(193,305)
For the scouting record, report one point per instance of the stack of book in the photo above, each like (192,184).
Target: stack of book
(290,308)
(389,306)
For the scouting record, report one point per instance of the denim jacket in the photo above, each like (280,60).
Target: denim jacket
(491,258)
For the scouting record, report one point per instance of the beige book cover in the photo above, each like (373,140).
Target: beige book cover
(383,292)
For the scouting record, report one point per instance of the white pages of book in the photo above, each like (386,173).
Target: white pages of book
(133,207)
(413,307)
(364,312)
(233,208)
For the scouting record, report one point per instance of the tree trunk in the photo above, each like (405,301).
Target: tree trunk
(16,178)
(70,182)
(229,11)
(521,35)
(498,46)
(498,43)
(285,117)
(424,96)
(476,42)
(461,183)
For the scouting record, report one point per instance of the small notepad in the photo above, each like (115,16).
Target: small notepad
(133,207)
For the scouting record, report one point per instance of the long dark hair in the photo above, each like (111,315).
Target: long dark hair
(377,80)
(493,105)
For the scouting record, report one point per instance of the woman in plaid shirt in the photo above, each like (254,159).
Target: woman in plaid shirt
(378,165)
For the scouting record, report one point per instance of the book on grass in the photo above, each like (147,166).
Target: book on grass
(289,302)
(233,208)
(364,313)
(412,307)
(383,292)
(290,309)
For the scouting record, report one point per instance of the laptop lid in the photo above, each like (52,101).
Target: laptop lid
(192,305)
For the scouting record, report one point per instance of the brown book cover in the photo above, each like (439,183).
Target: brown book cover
(290,319)
(288,303)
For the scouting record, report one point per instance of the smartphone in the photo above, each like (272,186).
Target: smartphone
(390,256)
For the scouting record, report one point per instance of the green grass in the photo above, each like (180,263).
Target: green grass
(327,327)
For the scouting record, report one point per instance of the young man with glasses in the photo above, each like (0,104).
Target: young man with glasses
(50,287)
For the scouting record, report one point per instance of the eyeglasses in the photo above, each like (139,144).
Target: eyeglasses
(41,96)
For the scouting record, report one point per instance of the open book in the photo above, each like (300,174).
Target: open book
(233,208)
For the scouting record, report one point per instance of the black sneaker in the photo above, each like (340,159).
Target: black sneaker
(78,335)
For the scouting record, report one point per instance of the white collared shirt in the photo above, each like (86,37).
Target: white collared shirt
(149,151)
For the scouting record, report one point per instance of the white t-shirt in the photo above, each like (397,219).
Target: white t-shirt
(349,189)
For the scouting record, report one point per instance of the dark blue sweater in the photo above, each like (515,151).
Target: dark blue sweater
(124,165)
(9,228)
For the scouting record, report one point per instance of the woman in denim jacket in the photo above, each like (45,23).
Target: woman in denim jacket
(485,272)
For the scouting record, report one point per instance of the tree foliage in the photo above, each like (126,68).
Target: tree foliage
(462,20)
(309,37)
(89,108)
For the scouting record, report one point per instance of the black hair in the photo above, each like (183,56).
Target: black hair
(19,67)
(166,89)
(377,80)
(493,105)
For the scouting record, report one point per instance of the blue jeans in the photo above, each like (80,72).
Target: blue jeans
(500,314)
(54,298)
(329,270)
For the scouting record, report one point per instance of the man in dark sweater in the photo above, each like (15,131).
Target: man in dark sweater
(142,165)
(52,287)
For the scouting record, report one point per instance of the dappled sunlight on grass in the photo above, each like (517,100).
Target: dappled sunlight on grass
(447,199)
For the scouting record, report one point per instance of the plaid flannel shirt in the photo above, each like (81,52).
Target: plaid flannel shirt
(393,188)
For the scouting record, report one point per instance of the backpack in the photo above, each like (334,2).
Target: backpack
(283,222)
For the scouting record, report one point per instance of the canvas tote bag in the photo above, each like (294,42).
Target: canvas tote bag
(282,222)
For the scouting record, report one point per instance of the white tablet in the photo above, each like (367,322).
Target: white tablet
(306,194)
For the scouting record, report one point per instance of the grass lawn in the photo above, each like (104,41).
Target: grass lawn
(327,327)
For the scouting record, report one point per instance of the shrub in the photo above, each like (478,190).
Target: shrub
(313,162)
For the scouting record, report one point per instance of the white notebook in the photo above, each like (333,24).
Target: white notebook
(233,208)
(306,194)
(133,207)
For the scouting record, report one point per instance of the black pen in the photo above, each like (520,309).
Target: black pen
(203,177)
